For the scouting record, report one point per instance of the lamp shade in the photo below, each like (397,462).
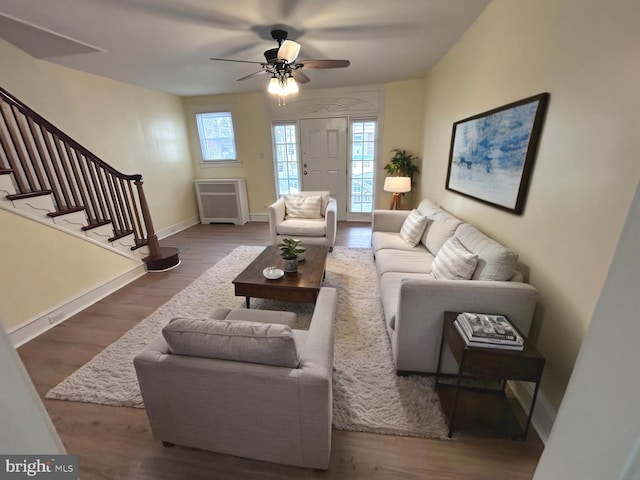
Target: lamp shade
(397,184)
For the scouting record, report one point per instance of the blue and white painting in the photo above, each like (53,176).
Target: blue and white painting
(488,154)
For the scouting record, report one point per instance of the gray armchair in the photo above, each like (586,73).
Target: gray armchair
(246,406)
(318,230)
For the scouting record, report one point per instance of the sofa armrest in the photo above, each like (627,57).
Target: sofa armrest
(388,220)
(317,352)
(421,307)
(276,216)
(331,221)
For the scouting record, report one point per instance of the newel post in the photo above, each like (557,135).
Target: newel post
(160,258)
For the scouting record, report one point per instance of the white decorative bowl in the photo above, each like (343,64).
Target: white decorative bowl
(272,273)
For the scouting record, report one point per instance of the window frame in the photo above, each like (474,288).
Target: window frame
(274,145)
(195,136)
(353,215)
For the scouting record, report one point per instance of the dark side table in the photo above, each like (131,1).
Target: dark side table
(476,408)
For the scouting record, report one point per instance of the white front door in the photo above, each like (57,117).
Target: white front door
(323,143)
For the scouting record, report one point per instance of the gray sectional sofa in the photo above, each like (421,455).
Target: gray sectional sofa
(414,300)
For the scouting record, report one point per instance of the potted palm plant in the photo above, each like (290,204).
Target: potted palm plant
(401,164)
(289,251)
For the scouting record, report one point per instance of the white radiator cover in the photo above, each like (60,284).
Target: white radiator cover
(222,201)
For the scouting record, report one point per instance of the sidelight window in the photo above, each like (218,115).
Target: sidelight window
(363,159)
(286,158)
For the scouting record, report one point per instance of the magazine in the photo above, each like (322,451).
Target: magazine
(494,327)
(500,346)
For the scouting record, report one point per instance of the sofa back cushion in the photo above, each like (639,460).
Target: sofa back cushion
(241,341)
(428,209)
(495,262)
(454,262)
(439,231)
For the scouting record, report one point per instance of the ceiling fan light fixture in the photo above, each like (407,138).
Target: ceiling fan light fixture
(292,86)
(274,86)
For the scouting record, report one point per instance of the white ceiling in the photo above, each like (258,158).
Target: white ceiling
(166,44)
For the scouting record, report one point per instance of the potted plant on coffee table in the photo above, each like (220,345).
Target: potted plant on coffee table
(289,251)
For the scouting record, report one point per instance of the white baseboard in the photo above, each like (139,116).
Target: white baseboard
(258,217)
(543,414)
(178,227)
(32,328)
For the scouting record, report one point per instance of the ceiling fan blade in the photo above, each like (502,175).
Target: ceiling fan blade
(238,61)
(289,51)
(252,75)
(300,76)
(324,63)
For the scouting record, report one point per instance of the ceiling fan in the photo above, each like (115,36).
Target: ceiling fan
(281,64)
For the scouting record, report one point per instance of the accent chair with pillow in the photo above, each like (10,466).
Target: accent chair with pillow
(429,262)
(244,383)
(310,217)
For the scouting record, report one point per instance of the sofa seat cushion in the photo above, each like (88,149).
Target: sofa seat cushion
(414,261)
(392,240)
(236,340)
(302,227)
(495,262)
(390,293)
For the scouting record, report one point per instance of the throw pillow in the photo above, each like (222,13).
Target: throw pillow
(298,206)
(241,341)
(413,228)
(454,262)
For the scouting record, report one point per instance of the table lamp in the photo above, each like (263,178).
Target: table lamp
(397,185)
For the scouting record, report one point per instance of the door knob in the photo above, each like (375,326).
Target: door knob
(305,172)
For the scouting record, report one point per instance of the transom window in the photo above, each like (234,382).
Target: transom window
(215,131)
(286,158)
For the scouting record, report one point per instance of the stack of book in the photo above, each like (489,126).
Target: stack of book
(488,331)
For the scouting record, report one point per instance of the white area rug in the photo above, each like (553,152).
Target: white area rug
(368,396)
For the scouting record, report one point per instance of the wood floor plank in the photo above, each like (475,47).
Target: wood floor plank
(116,442)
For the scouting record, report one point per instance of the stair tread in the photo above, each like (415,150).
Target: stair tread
(120,234)
(93,223)
(19,196)
(64,211)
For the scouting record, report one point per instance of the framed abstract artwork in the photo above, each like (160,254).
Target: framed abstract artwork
(492,153)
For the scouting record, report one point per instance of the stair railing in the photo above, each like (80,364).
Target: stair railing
(45,160)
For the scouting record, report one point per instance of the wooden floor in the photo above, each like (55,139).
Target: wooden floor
(116,442)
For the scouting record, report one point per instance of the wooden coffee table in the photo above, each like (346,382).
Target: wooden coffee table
(301,287)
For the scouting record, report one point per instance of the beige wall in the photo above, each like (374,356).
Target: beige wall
(584,52)
(42,268)
(252,130)
(135,130)
(402,129)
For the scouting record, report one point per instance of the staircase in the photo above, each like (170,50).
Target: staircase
(49,177)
